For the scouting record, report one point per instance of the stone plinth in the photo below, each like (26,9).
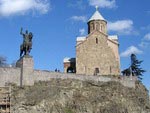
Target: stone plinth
(26,65)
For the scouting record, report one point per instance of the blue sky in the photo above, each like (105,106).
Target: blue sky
(56,24)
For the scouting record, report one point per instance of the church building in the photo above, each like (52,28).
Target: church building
(97,53)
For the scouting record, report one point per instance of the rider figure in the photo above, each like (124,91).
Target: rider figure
(27,42)
(25,36)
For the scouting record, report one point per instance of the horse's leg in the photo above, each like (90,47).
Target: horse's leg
(21,50)
(28,49)
(25,51)
(21,53)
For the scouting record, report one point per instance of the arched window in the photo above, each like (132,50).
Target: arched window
(96,40)
(92,26)
(97,26)
(101,27)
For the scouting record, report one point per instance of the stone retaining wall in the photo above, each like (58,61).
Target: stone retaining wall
(9,75)
(12,75)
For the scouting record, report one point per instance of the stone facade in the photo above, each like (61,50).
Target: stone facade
(98,53)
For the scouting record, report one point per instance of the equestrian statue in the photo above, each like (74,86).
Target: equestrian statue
(26,46)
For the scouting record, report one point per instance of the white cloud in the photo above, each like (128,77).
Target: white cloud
(77,4)
(144,44)
(79,18)
(122,27)
(131,50)
(147,37)
(82,31)
(21,7)
(103,3)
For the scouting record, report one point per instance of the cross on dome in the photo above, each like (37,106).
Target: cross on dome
(96,15)
(96,7)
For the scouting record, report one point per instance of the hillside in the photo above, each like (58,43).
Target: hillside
(75,96)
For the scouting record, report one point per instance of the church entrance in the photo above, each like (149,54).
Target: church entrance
(70,70)
(96,72)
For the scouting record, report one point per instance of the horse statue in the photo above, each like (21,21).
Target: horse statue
(26,46)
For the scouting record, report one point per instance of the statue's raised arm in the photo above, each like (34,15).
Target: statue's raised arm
(21,31)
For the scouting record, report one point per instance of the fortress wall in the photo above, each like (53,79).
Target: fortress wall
(128,81)
(9,75)
(12,75)
(46,76)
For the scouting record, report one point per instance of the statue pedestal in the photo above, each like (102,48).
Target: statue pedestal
(26,65)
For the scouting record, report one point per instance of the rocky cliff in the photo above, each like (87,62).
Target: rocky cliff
(75,96)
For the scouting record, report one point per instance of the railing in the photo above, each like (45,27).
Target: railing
(5,93)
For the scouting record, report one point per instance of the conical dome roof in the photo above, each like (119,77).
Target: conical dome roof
(96,16)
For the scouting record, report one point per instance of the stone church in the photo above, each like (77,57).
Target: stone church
(97,53)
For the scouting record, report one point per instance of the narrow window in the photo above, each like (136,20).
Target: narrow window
(101,28)
(97,26)
(110,70)
(96,40)
(92,26)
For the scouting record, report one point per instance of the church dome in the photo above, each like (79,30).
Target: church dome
(96,16)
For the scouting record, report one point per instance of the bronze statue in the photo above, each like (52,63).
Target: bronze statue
(27,42)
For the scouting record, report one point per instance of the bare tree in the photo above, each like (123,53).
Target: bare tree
(3,61)
(13,64)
